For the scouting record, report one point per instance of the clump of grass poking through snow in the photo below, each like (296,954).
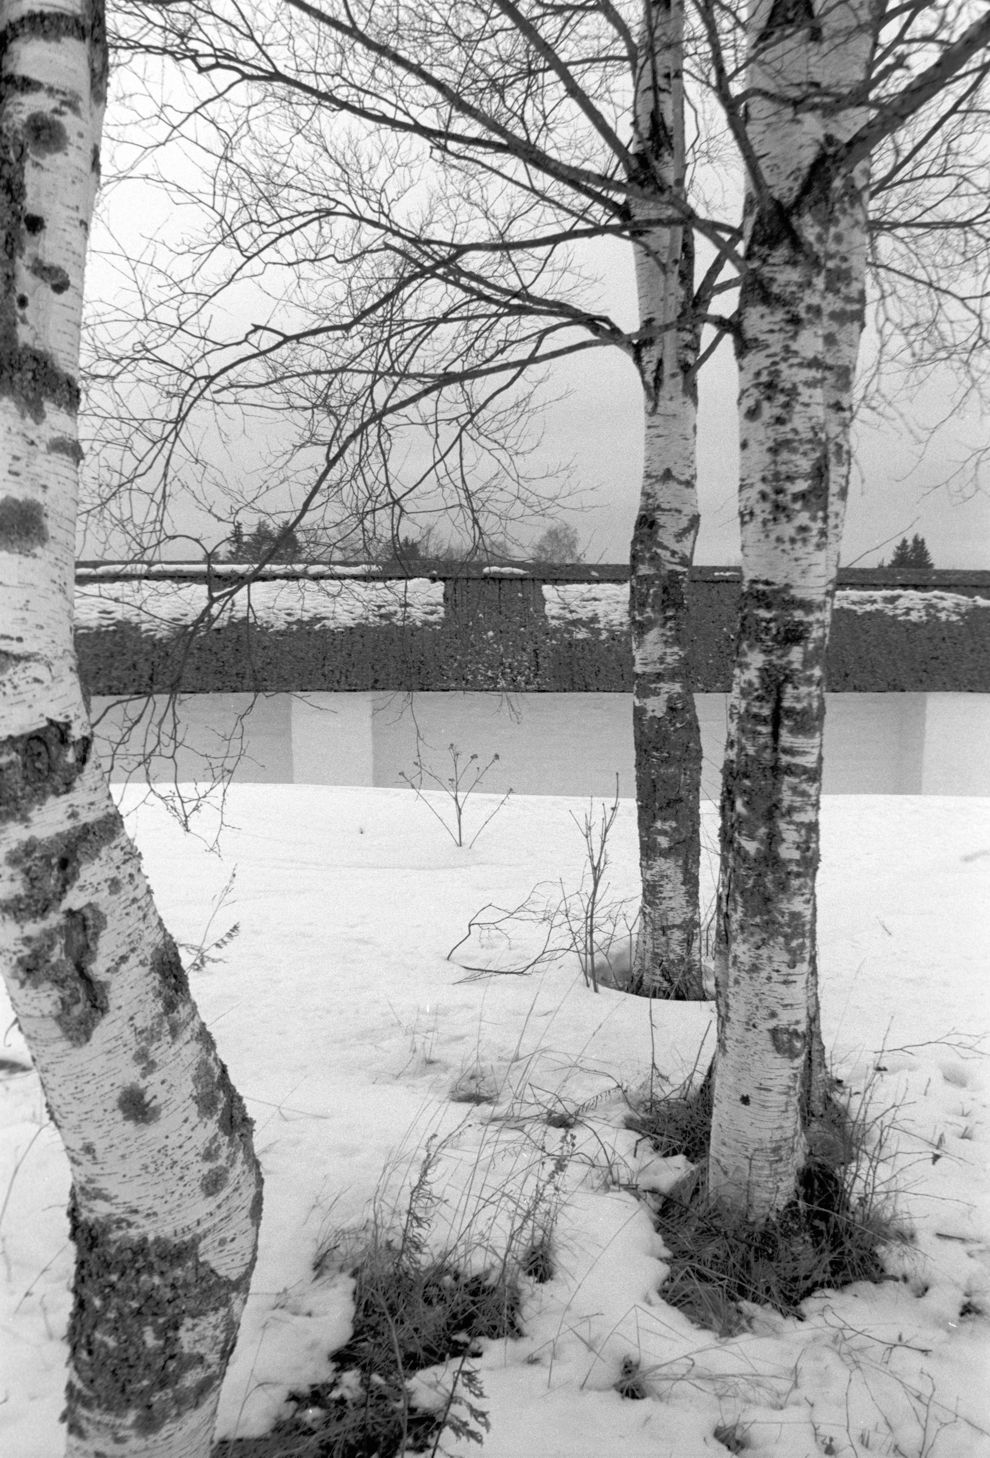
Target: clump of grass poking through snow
(679,1122)
(828,1237)
(823,1240)
(409,1314)
(414,1309)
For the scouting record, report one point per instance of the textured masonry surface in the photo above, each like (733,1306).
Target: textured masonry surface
(562,631)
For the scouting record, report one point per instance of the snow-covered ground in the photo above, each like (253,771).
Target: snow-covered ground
(353,1040)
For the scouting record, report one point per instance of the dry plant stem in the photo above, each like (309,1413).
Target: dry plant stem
(203,953)
(13,1179)
(588,922)
(415,1306)
(596,853)
(523,913)
(457,787)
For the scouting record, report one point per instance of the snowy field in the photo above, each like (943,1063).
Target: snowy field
(355,1041)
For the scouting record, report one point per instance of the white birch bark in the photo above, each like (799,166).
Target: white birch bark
(665,726)
(800,317)
(845,313)
(166,1191)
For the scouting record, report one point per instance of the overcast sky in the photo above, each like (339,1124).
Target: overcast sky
(909,477)
(910,472)
(901,484)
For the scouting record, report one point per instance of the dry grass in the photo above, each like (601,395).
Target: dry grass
(416,1310)
(830,1236)
(679,1122)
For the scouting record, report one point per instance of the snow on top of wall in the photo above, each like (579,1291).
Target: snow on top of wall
(160,608)
(587,607)
(916,607)
(225,569)
(584,609)
(591,608)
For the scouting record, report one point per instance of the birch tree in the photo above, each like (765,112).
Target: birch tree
(166,1191)
(541,129)
(666,737)
(816,110)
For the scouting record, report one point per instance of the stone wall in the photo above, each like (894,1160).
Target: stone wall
(166,627)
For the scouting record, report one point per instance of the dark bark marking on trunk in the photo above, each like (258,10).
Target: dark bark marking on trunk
(788,1042)
(32,379)
(257,1201)
(170,975)
(215,1097)
(213,1182)
(42,24)
(28,376)
(818,182)
(143,1061)
(667,752)
(23,530)
(80,941)
(11,212)
(776,720)
(784,631)
(49,868)
(50,273)
(133,1296)
(17,85)
(136,1107)
(65,445)
(234,1120)
(99,55)
(61,958)
(789,15)
(206,1096)
(773,231)
(45,134)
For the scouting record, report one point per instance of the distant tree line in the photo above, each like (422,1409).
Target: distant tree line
(280,542)
(559,543)
(277,543)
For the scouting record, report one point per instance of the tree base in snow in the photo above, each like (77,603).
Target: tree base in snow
(827,1238)
(621,969)
(823,1240)
(831,1235)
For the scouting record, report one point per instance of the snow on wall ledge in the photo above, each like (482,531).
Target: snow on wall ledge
(160,608)
(316,629)
(587,609)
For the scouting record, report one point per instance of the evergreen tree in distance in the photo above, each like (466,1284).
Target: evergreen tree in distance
(274,543)
(913,553)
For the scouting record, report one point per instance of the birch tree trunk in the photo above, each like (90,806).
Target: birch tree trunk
(844,319)
(665,725)
(166,1191)
(800,317)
